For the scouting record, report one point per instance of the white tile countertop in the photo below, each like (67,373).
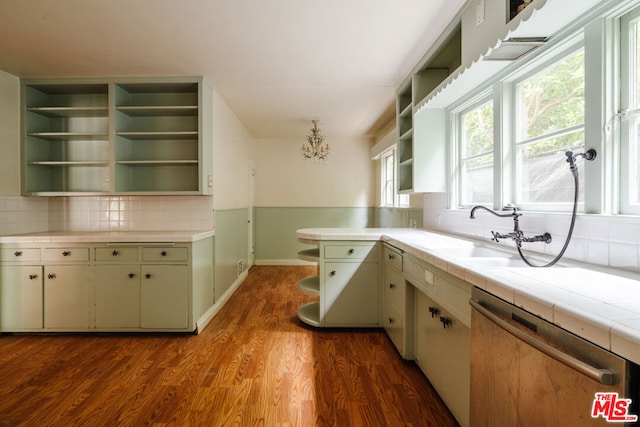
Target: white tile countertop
(599,304)
(109,236)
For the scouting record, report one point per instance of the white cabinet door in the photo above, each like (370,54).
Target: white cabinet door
(117,296)
(442,350)
(67,297)
(164,296)
(20,297)
(351,294)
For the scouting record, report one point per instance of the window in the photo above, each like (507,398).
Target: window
(389,196)
(630,108)
(476,155)
(549,121)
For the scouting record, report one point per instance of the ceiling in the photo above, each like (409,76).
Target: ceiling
(278,64)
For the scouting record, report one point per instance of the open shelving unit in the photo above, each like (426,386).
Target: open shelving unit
(310,313)
(124,136)
(66,137)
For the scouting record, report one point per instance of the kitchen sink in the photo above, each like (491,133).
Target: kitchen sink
(493,261)
(474,252)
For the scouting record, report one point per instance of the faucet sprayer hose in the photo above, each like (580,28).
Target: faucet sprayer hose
(574,172)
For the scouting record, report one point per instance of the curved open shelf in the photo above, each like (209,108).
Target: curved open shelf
(310,285)
(310,314)
(312,255)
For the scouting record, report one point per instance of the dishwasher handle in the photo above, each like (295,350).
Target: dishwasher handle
(603,376)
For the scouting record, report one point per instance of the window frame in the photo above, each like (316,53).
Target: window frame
(457,117)
(526,72)
(398,200)
(629,110)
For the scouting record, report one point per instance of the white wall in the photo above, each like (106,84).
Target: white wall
(284,178)
(231,154)
(9,134)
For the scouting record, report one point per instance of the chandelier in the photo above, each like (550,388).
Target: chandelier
(315,148)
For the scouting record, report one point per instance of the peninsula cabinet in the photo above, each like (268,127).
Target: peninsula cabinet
(116,136)
(104,286)
(348,277)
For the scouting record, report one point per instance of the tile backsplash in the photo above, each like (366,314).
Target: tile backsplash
(104,213)
(606,240)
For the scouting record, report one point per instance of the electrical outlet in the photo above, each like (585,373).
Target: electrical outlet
(480,12)
(210,180)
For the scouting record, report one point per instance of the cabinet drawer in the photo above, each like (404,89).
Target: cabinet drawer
(19,254)
(393,322)
(164,254)
(393,258)
(369,251)
(65,254)
(117,254)
(394,289)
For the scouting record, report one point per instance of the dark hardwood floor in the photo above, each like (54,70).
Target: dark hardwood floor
(255,364)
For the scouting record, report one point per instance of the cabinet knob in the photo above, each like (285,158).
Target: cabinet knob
(391,320)
(115,253)
(332,273)
(434,311)
(391,256)
(18,253)
(33,276)
(445,321)
(351,251)
(163,253)
(66,253)
(131,275)
(392,286)
(148,276)
(51,276)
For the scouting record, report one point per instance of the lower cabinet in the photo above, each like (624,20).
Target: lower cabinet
(20,297)
(164,297)
(442,351)
(347,284)
(67,293)
(141,296)
(117,296)
(106,287)
(351,296)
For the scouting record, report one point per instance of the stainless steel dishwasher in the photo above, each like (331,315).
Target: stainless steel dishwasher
(526,371)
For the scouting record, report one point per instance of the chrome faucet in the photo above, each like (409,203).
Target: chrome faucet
(517,235)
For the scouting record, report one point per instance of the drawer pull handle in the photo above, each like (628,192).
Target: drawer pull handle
(115,253)
(445,322)
(434,311)
(18,253)
(131,275)
(148,276)
(392,286)
(163,253)
(66,253)
(33,276)
(51,276)
(351,251)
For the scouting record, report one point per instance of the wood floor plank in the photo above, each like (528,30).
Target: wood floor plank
(255,364)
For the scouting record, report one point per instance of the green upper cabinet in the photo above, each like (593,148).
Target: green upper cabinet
(125,136)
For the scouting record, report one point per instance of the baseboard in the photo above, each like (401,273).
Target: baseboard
(204,320)
(283,262)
